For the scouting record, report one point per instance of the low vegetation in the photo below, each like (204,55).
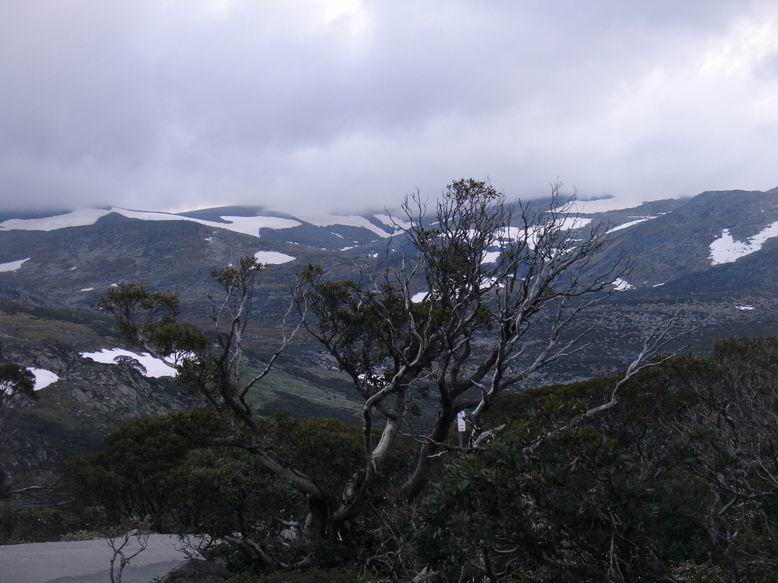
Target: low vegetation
(677,483)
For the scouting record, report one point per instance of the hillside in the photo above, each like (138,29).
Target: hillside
(712,258)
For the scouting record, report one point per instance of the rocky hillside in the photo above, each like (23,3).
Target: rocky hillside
(714,233)
(713,258)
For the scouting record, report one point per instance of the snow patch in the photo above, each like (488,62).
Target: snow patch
(344,220)
(726,249)
(745,308)
(628,225)
(12,265)
(622,284)
(491,257)
(86,217)
(572,223)
(252,225)
(155,367)
(273,257)
(600,205)
(78,218)
(658,284)
(533,232)
(565,224)
(419,297)
(245,225)
(43,378)
(393,222)
(87,289)
(488,281)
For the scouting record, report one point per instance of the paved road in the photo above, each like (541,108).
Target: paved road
(84,561)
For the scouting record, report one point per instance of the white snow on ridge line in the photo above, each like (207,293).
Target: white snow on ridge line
(628,225)
(245,225)
(344,220)
(393,222)
(604,205)
(86,217)
(87,289)
(252,225)
(600,205)
(12,265)
(745,308)
(43,377)
(155,368)
(726,250)
(78,218)
(273,257)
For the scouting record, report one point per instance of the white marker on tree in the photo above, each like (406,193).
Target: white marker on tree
(462,428)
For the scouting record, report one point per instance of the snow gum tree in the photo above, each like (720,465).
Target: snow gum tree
(451,326)
(482,295)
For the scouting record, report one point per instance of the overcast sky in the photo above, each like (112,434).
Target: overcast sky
(339,104)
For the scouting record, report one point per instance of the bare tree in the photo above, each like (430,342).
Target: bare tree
(126,543)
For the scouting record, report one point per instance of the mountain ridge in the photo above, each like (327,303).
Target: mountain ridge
(49,316)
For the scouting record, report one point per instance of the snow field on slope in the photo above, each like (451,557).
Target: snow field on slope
(324,220)
(628,225)
(12,265)
(43,377)
(622,284)
(273,257)
(726,249)
(155,367)
(393,222)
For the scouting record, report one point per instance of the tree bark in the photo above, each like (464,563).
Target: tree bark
(416,483)
(317,522)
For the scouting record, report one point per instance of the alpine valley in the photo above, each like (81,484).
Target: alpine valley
(711,258)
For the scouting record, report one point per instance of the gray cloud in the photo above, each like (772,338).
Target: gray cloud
(342,103)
